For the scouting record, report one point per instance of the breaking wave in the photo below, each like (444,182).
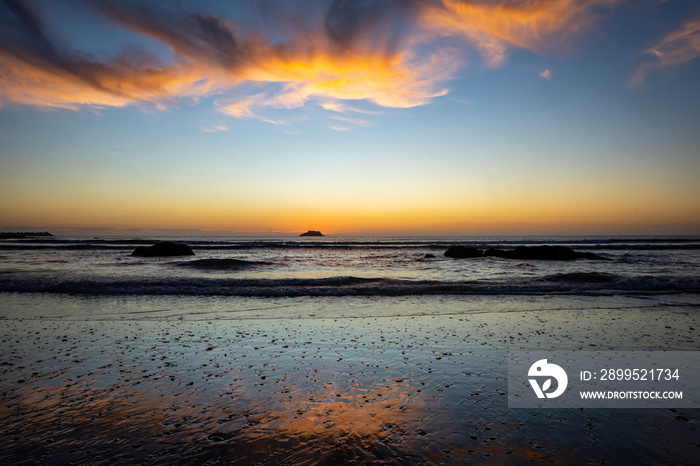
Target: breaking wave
(572,283)
(219,264)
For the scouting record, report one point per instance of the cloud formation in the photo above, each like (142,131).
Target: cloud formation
(386,52)
(676,48)
(495,26)
(34,71)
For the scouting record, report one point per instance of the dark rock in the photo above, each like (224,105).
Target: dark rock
(429,256)
(462,252)
(162,249)
(312,233)
(551,253)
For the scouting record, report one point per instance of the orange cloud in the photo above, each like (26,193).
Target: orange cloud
(493,27)
(678,47)
(379,51)
(84,83)
(326,64)
(34,71)
(399,82)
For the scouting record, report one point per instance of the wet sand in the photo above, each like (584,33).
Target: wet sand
(421,389)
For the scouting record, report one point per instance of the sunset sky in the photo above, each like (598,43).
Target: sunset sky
(357,116)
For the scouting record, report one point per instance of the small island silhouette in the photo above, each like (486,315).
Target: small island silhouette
(312,233)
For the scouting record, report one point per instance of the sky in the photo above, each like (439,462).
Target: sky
(351,116)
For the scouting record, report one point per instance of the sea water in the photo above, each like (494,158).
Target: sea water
(344,266)
(321,350)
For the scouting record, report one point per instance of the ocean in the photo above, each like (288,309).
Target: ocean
(348,350)
(346,266)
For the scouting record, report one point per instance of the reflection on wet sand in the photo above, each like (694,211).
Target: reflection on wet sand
(91,423)
(428,390)
(361,424)
(385,424)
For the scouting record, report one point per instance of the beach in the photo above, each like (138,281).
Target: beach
(410,380)
(412,232)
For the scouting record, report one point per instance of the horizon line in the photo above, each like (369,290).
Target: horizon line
(108,231)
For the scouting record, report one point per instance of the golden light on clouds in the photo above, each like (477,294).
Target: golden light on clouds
(40,83)
(397,83)
(526,155)
(493,27)
(392,60)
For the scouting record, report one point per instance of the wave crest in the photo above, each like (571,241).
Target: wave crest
(220,263)
(572,283)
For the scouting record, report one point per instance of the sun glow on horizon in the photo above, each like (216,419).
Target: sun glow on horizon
(449,116)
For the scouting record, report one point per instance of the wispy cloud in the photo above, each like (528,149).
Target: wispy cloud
(245,107)
(241,108)
(546,74)
(340,128)
(386,52)
(495,26)
(214,129)
(340,107)
(348,123)
(676,48)
(34,71)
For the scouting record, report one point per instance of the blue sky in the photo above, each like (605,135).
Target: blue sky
(436,116)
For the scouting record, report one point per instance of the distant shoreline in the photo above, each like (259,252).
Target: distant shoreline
(22,234)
